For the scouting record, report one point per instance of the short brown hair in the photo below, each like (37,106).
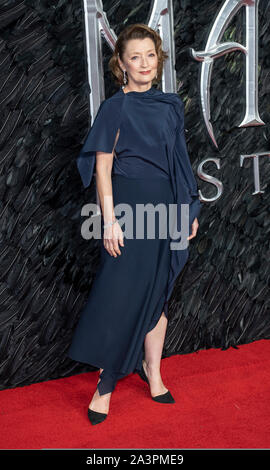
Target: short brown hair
(136,31)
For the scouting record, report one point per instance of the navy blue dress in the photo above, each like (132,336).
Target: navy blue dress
(130,292)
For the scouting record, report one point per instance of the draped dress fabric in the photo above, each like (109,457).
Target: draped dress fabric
(130,292)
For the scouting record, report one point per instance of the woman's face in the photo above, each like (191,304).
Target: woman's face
(140,56)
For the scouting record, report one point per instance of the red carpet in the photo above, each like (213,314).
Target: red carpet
(222,401)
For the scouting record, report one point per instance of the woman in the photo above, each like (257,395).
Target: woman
(123,324)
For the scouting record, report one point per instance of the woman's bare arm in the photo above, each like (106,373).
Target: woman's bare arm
(104,163)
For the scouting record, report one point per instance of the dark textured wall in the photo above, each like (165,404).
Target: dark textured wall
(222,296)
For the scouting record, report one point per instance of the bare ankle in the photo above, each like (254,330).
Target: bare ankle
(152,368)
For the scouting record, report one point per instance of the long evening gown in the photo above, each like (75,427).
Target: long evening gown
(130,292)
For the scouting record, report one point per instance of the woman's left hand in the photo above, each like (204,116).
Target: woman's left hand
(194,226)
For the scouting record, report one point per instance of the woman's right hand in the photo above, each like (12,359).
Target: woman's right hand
(112,237)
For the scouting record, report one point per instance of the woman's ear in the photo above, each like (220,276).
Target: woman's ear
(121,65)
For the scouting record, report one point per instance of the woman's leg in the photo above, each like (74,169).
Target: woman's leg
(154,341)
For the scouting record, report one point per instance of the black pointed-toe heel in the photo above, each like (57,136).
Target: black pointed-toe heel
(164,397)
(96,417)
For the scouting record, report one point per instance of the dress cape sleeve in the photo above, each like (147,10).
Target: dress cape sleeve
(100,138)
(184,187)
(183,169)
